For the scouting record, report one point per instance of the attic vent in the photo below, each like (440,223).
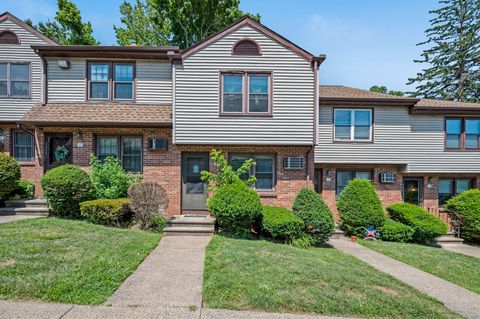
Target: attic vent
(246,47)
(292,162)
(387,178)
(8,37)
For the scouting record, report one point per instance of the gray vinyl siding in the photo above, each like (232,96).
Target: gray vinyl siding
(196,110)
(153,81)
(416,141)
(12,109)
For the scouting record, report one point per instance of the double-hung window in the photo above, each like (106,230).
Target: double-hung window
(23,146)
(15,80)
(462,133)
(353,125)
(264,169)
(449,187)
(246,93)
(343,177)
(128,149)
(111,81)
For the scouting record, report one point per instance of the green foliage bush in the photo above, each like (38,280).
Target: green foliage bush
(280,223)
(66,187)
(110,179)
(159,223)
(25,189)
(9,174)
(359,207)
(316,215)
(395,231)
(425,225)
(467,205)
(235,207)
(108,212)
(301,242)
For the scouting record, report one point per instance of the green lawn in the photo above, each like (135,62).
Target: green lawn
(260,275)
(68,261)
(457,268)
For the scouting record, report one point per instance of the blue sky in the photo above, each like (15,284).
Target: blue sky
(367,42)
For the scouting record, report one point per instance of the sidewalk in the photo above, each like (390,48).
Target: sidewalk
(454,297)
(11,218)
(462,249)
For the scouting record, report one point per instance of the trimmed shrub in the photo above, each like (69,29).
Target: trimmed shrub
(280,223)
(110,179)
(66,187)
(316,215)
(467,205)
(108,212)
(148,199)
(426,226)
(359,207)
(395,231)
(9,175)
(25,189)
(235,207)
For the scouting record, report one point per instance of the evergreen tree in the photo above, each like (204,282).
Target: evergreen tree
(453,53)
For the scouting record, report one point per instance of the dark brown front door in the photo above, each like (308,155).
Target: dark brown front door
(413,190)
(194,190)
(58,150)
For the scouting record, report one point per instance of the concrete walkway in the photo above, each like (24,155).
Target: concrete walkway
(11,218)
(454,297)
(171,276)
(462,249)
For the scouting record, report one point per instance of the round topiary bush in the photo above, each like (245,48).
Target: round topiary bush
(9,174)
(65,188)
(467,205)
(359,207)
(316,215)
(281,224)
(235,207)
(395,231)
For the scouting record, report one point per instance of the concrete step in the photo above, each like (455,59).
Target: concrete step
(448,239)
(337,234)
(35,211)
(189,231)
(182,221)
(40,202)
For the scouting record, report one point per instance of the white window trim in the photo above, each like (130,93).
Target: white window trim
(9,81)
(352,126)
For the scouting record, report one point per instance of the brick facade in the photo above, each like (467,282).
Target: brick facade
(164,167)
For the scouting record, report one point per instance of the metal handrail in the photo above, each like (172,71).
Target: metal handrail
(456,221)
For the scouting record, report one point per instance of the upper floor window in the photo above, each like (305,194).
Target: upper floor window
(353,124)
(15,80)
(449,187)
(111,81)
(246,93)
(264,169)
(246,47)
(462,133)
(23,146)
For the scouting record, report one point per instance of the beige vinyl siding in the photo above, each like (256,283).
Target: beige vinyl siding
(153,81)
(416,141)
(197,119)
(13,109)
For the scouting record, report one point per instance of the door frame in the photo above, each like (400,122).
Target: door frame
(183,155)
(46,148)
(421,191)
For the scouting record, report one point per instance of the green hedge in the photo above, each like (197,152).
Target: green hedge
(25,189)
(425,225)
(108,212)
(467,204)
(9,175)
(316,215)
(359,207)
(280,223)
(65,188)
(235,207)
(395,231)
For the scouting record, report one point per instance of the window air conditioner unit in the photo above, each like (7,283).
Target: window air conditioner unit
(158,144)
(292,162)
(387,178)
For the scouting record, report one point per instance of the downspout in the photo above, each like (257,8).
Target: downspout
(45,79)
(35,139)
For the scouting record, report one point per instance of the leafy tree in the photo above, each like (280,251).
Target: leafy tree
(453,53)
(181,22)
(144,25)
(383,89)
(68,27)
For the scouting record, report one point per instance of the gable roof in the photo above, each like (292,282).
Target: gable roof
(341,94)
(247,21)
(8,16)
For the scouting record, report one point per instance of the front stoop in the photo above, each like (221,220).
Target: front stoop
(448,239)
(338,233)
(187,225)
(29,207)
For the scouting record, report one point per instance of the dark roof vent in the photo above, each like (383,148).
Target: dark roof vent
(8,37)
(246,47)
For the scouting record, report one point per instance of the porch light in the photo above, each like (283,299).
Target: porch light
(2,135)
(79,139)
